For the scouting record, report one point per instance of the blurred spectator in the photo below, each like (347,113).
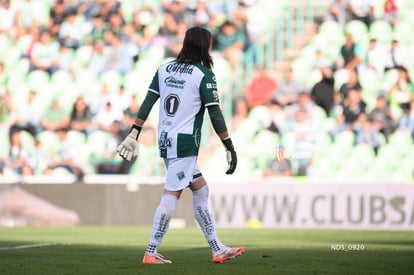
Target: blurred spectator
(374,57)
(99,28)
(130,113)
(201,14)
(396,56)
(28,117)
(65,157)
(402,92)
(121,99)
(304,134)
(110,163)
(141,31)
(106,117)
(304,102)
(366,133)
(407,119)
(33,39)
(3,76)
(18,153)
(55,117)
(38,159)
(81,117)
(27,17)
(391,13)
(230,42)
(278,168)
(289,89)
(174,14)
(99,58)
(362,10)
(71,32)
(56,17)
(350,54)
(175,43)
(10,19)
(338,11)
(99,103)
(352,84)
(248,16)
(116,23)
(44,54)
(278,117)
(321,60)
(240,111)
(261,88)
(381,117)
(7,113)
(352,107)
(113,7)
(65,59)
(323,91)
(120,59)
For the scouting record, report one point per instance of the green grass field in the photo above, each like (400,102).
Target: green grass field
(119,250)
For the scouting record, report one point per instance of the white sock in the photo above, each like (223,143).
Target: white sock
(161,221)
(205,220)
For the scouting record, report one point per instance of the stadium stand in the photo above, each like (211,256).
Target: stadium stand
(282,37)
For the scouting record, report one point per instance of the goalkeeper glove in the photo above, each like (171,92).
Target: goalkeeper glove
(129,147)
(231,156)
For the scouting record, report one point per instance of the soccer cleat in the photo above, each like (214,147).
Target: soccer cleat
(227,254)
(156,259)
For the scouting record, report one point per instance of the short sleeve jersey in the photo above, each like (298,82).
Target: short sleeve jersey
(184,92)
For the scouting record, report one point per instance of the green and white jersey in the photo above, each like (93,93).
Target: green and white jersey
(184,92)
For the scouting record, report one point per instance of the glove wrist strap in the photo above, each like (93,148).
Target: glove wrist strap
(135,131)
(228,144)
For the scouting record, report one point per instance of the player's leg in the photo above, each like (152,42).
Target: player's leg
(205,220)
(178,178)
(160,225)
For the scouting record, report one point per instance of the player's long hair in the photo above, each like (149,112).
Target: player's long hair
(196,47)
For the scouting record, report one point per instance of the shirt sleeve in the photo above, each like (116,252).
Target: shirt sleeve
(208,90)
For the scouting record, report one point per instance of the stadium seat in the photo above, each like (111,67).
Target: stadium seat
(382,31)
(5,45)
(359,32)
(341,76)
(49,141)
(83,55)
(77,138)
(61,80)
(27,140)
(112,79)
(401,142)
(345,139)
(37,79)
(402,33)
(4,146)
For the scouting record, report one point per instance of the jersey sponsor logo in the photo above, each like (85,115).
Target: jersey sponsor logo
(215,96)
(180,68)
(164,141)
(211,86)
(174,82)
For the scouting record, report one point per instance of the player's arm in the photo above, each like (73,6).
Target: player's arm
(129,147)
(219,125)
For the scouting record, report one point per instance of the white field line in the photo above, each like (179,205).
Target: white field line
(25,246)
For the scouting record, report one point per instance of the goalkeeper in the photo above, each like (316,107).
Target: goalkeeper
(185,88)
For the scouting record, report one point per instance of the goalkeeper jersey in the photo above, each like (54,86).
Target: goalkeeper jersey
(184,92)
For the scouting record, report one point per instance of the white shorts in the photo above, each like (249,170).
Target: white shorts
(181,172)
